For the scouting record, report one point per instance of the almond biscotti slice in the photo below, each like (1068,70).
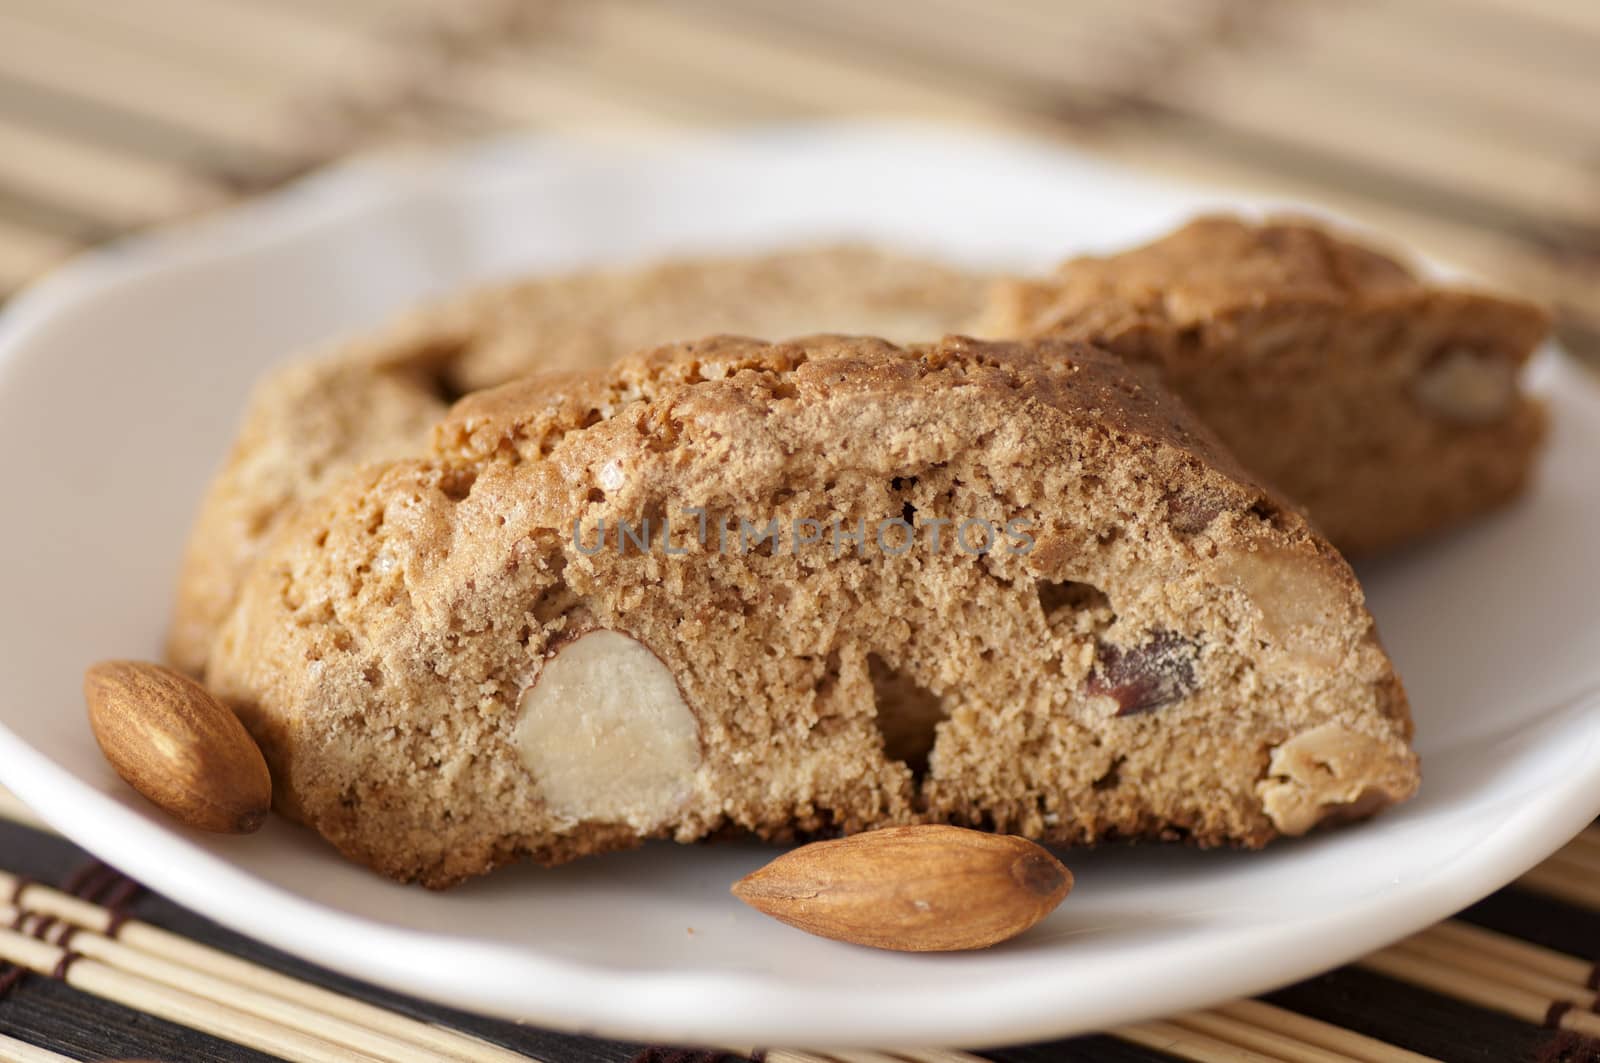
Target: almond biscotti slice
(1386,405)
(311,422)
(809,587)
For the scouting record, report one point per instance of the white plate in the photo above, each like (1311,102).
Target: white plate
(119,383)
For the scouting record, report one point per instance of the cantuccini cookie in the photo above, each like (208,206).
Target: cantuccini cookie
(1388,406)
(311,422)
(805,588)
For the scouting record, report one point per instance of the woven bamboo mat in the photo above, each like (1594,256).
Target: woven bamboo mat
(92,966)
(1467,128)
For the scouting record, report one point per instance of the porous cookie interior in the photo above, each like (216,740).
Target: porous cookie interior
(1149,645)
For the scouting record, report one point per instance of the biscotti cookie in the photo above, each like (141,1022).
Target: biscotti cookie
(1386,405)
(311,422)
(805,588)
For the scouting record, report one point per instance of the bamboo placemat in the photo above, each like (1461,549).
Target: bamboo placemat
(93,966)
(1467,128)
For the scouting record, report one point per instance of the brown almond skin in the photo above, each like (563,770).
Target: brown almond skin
(929,888)
(176,744)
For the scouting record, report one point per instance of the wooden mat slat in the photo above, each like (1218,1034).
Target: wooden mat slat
(1333,174)
(753,57)
(222,108)
(808,69)
(630,82)
(261,49)
(858,38)
(113,124)
(1085,54)
(1561,15)
(1517,164)
(1494,36)
(117,187)
(717,69)
(563,81)
(470,15)
(553,97)
(629,89)
(1496,98)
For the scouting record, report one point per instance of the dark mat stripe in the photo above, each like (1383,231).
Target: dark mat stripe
(1418,1019)
(1540,919)
(1098,1049)
(61,1019)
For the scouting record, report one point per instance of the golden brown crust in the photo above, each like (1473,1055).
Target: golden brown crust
(1213,268)
(376,397)
(1310,355)
(1130,673)
(530,416)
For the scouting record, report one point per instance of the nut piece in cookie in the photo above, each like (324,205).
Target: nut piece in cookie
(1326,774)
(606,734)
(807,588)
(1468,386)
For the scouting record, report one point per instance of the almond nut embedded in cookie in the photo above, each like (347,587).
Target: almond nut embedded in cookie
(1300,600)
(176,744)
(1328,773)
(607,735)
(929,888)
(1467,386)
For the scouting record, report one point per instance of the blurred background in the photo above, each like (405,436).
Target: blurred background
(1468,128)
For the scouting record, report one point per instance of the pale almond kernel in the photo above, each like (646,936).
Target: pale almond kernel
(1300,601)
(1467,386)
(1319,772)
(606,734)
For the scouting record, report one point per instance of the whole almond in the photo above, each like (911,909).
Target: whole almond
(179,746)
(914,889)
